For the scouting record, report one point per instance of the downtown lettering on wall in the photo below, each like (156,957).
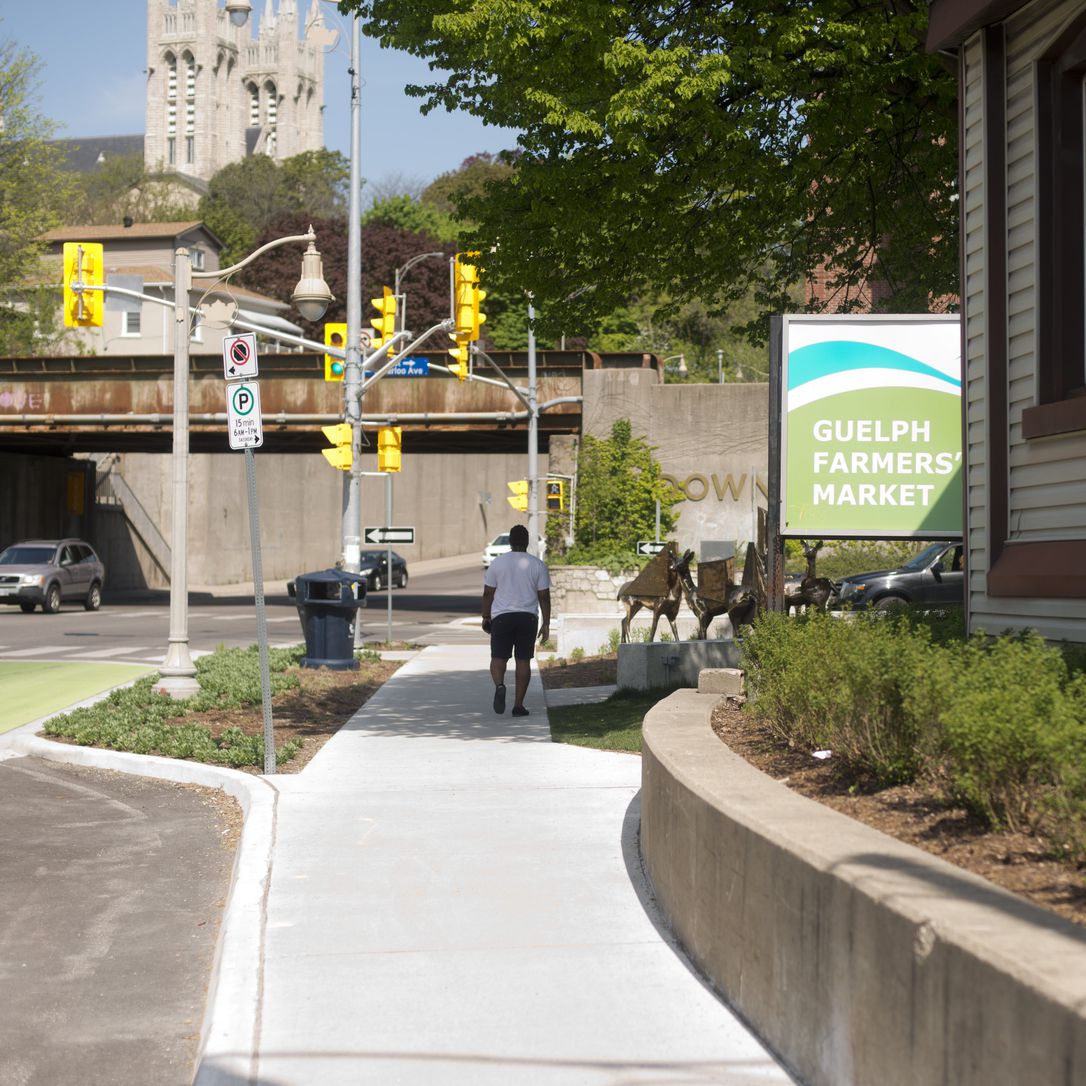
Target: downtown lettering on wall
(871,427)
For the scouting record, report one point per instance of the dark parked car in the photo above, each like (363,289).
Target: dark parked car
(47,571)
(373,566)
(934,578)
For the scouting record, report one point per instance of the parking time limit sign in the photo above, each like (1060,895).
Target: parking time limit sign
(243,415)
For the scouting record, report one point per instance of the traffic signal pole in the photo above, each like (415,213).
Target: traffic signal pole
(533,441)
(352,376)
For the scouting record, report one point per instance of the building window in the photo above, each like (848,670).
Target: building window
(190,150)
(254,107)
(1061,246)
(171,151)
(130,323)
(197,259)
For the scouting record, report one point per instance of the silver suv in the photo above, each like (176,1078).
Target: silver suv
(48,571)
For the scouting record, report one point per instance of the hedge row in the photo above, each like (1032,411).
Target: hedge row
(999,724)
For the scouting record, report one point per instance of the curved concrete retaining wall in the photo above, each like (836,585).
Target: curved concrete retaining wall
(859,959)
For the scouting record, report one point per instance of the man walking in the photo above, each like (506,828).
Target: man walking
(516,591)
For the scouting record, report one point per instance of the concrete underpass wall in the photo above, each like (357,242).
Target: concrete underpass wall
(300,500)
(711,440)
(35,500)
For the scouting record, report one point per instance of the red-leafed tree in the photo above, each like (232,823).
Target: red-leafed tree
(384,249)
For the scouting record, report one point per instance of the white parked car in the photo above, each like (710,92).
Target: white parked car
(500,544)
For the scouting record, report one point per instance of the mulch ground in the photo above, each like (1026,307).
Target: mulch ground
(917,815)
(313,712)
(559,674)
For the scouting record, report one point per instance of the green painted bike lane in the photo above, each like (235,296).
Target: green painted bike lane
(29,691)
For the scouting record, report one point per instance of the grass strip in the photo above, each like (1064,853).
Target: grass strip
(32,690)
(614,724)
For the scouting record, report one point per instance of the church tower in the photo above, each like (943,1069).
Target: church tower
(217,93)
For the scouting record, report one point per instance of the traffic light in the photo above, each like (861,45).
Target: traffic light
(83,265)
(519,499)
(461,354)
(466,316)
(389,440)
(335,335)
(556,495)
(385,321)
(467,298)
(340,436)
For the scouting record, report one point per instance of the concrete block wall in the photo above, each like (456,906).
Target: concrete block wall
(859,959)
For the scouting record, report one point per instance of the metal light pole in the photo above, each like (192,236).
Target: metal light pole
(352,370)
(533,440)
(311,296)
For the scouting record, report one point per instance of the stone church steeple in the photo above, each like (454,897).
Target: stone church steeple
(217,93)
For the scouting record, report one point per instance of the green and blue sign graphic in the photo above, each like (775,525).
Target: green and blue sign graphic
(871,427)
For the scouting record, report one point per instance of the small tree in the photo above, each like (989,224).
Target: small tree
(618,485)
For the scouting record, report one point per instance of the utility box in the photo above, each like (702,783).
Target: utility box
(327,603)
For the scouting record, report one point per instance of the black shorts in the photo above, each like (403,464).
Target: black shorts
(513,634)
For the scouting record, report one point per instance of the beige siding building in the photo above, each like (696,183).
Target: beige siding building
(1022,71)
(140,257)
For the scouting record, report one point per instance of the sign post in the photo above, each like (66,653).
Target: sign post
(245,431)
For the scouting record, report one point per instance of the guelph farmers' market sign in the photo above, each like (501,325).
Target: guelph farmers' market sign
(871,441)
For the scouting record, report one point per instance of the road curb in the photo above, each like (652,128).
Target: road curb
(229,1029)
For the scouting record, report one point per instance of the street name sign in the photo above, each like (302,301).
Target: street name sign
(243,416)
(388,535)
(407,367)
(649,546)
(239,357)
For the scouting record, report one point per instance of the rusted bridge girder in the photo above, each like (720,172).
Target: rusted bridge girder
(124,403)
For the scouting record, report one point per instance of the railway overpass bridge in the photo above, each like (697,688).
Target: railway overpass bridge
(65,405)
(462,441)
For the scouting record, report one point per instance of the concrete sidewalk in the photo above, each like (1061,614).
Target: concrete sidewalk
(453,899)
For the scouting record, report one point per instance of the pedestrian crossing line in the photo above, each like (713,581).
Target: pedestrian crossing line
(44,650)
(96,654)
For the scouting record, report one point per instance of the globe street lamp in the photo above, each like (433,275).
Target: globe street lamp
(311,296)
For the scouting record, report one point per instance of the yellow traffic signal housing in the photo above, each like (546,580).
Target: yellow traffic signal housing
(389,441)
(84,266)
(466,299)
(461,355)
(340,435)
(519,498)
(556,495)
(385,321)
(335,335)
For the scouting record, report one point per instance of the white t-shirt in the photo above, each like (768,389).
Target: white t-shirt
(517,577)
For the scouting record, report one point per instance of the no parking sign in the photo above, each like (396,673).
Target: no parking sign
(239,357)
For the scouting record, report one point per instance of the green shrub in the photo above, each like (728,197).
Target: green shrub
(1006,724)
(138,720)
(576,654)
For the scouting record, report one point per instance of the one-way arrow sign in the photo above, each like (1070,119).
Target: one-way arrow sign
(648,546)
(388,535)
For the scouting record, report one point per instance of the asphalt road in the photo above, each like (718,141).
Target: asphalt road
(437,607)
(110,904)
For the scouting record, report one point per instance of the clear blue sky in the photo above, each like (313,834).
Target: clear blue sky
(91,83)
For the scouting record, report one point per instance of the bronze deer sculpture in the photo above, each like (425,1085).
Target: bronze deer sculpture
(740,606)
(666,606)
(813,591)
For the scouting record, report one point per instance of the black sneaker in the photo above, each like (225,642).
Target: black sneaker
(519,710)
(499,698)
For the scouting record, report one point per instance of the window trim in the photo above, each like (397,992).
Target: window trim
(126,320)
(1060,109)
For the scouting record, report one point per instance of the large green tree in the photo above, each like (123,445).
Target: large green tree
(33,189)
(245,197)
(708,150)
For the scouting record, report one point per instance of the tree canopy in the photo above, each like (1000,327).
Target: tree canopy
(704,150)
(33,189)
